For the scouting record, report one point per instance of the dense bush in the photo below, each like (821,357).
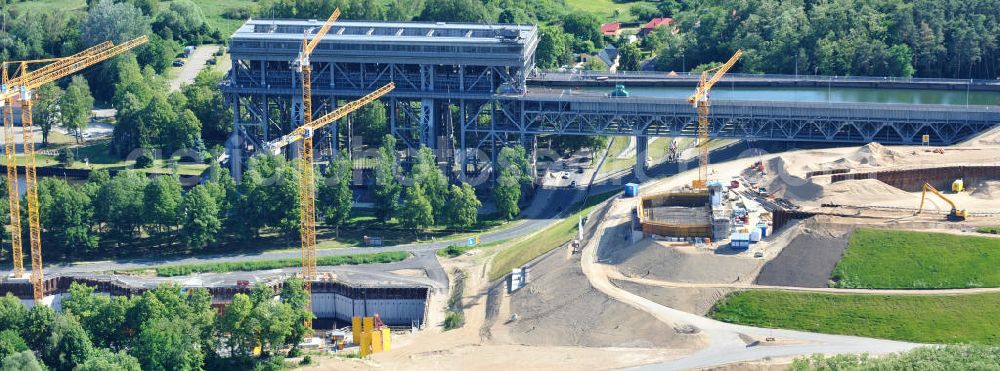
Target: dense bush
(953,357)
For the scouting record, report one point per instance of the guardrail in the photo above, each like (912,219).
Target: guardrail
(591,75)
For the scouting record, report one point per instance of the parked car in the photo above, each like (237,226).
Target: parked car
(179,63)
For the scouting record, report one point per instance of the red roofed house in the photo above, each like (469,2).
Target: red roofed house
(654,23)
(611,29)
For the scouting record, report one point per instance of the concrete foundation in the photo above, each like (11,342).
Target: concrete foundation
(682,214)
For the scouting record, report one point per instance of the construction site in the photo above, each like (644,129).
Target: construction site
(646,268)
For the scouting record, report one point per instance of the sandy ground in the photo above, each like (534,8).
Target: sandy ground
(558,307)
(786,176)
(658,260)
(692,300)
(561,320)
(489,341)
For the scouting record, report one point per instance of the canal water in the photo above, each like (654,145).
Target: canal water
(831,94)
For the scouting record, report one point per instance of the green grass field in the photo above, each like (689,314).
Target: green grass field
(606,9)
(98,156)
(613,163)
(213,10)
(925,319)
(49,5)
(542,242)
(878,258)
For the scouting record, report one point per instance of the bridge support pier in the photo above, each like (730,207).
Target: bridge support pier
(641,152)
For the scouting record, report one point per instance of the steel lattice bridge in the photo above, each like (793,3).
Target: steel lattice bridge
(463,89)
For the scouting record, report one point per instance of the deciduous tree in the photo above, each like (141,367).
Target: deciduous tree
(200,218)
(335,196)
(387,187)
(75,106)
(463,206)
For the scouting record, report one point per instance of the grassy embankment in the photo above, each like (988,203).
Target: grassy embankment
(455,314)
(885,259)
(256,265)
(613,163)
(988,230)
(558,234)
(363,222)
(925,319)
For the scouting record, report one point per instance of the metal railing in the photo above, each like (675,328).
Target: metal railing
(556,75)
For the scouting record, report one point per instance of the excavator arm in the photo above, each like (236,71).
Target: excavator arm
(954,214)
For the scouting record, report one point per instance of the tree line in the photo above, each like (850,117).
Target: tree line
(129,212)
(165,328)
(149,118)
(921,38)
(60,32)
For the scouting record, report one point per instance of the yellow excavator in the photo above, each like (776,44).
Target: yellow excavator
(955,215)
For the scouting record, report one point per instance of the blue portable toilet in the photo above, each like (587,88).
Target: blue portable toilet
(631,190)
(763,229)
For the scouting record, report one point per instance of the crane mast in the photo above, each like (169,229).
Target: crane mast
(307,190)
(10,147)
(21,88)
(700,101)
(307,178)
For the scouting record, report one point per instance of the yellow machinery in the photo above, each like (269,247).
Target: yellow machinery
(307,186)
(371,335)
(958,185)
(955,215)
(700,101)
(18,84)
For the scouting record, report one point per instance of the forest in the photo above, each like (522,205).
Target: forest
(165,328)
(921,38)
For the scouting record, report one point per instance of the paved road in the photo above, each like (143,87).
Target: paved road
(194,65)
(727,342)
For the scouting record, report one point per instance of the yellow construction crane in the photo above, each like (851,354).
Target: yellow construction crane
(307,190)
(20,87)
(700,101)
(954,215)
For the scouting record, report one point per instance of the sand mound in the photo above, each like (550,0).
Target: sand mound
(650,259)
(987,138)
(781,183)
(869,155)
(559,307)
(861,192)
(987,190)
